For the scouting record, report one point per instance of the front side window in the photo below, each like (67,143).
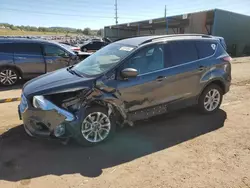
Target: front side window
(147,60)
(27,48)
(182,52)
(52,50)
(104,59)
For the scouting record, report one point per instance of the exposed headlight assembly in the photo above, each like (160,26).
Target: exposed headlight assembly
(41,102)
(44,104)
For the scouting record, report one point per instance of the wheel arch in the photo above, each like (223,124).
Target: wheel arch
(217,81)
(13,67)
(112,108)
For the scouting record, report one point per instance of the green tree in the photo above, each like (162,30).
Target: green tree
(87,31)
(99,32)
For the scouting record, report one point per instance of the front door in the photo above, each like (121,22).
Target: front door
(55,57)
(139,93)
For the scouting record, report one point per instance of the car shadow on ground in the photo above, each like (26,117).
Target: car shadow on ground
(22,157)
(19,85)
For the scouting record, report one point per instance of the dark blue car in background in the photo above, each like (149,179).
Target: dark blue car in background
(28,58)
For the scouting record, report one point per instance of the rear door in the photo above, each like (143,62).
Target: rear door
(6,54)
(29,59)
(183,73)
(55,57)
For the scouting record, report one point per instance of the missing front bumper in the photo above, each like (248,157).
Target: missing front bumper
(45,122)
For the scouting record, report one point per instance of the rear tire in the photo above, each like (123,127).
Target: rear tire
(8,76)
(210,99)
(96,127)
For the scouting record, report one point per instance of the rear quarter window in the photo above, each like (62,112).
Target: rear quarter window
(6,48)
(27,48)
(206,48)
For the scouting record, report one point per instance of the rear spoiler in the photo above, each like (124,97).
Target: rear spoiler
(222,42)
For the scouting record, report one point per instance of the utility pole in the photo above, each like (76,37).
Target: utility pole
(165,14)
(166,19)
(116,16)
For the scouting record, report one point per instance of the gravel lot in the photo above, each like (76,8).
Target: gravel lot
(182,149)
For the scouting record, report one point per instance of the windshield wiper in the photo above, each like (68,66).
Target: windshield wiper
(69,69)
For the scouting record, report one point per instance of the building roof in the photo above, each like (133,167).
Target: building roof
(171,18)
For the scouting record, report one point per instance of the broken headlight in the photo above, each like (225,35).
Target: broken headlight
(39,102)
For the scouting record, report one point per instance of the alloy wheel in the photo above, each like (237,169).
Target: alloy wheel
(96,127)
(212,100)
(8,77)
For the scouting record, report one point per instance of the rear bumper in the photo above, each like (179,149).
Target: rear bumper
(227,87)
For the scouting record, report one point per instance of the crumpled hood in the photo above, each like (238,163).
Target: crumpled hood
(56,82)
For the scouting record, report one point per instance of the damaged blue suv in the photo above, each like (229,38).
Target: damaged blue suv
(125,81)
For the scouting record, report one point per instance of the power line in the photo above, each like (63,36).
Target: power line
(101,9)
(73,2)
(58,14)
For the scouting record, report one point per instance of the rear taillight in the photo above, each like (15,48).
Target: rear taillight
(227,59)
(77,49)
(227,64)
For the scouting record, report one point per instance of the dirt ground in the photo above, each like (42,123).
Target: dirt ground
(182,149)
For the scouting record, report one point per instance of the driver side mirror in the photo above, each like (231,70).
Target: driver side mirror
(129,73)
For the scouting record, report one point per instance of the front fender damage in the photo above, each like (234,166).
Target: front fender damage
(111,100)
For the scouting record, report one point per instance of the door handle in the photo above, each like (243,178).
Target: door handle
(201,68)
(20,57)
(160,78)
(49,61)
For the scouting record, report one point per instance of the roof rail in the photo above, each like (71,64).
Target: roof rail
(177,35)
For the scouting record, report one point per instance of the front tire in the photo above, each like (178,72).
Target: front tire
(8,76)
(210,99)
(96,127)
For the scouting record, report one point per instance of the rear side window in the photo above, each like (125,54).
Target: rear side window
(182,52)
(98,44)
(6,48)
(206,48)
(27,48)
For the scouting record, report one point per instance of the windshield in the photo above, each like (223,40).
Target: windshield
(104,59)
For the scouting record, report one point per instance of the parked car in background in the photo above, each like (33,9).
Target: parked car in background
(28,58)
(94,45)
(125,81)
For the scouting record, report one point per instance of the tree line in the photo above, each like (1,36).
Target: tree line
(86,31)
